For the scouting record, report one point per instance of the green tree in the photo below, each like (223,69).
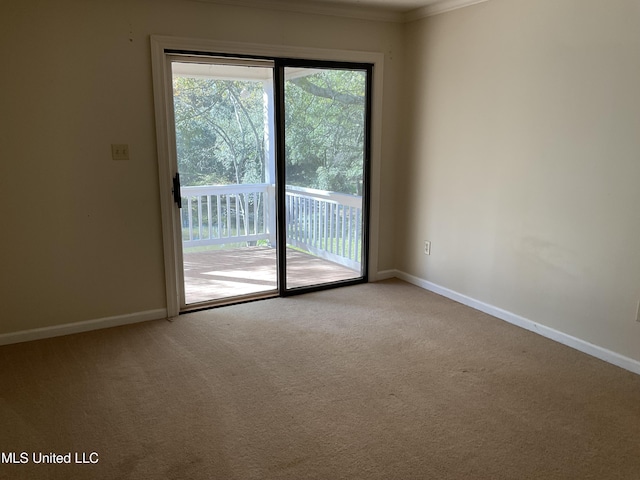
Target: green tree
(220,133)
(325,125)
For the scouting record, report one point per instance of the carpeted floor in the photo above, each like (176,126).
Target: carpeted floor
(376,381)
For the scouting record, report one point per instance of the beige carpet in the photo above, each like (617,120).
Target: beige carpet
(377,381)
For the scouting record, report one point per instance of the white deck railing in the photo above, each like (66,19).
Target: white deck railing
(220,214)
(327,224)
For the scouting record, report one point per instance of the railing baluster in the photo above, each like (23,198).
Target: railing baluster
(299,218)
(228,201)
(218,217)
(316,223)
(291,219)
(350,234)
(312,219)
(252,205)
(237,204)
(324,223)
(322,231)
(245,211)
(343,230)
(357,235)
(338,235)
(209,214)
(295,221)
(249,201)
(336,232)
(241,215)
(319,224)
(290,216)
(287,218)
(256,213)
(199,217)
(329,231)
(331,228)
(247,214)
(264,219)
(190,216)
(234,201)
(251,225)
(307,223)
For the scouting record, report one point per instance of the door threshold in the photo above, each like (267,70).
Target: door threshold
(223,302)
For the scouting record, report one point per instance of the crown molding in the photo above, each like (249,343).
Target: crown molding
(438,8)
(335,9)
(318,8)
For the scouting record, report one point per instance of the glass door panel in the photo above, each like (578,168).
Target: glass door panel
(223,113)
(325,138)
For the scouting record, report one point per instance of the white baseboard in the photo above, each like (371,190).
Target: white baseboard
(86,326)
(560,337)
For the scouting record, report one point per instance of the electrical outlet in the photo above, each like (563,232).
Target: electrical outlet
(120,152)
(427,247)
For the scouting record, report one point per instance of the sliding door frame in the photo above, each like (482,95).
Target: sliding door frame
(281,165)
(162,47)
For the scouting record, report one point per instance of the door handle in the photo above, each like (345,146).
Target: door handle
(176,190)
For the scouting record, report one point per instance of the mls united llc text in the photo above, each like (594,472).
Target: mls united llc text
(51,457)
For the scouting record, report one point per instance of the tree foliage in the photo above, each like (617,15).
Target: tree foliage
(325,124)
(220,130)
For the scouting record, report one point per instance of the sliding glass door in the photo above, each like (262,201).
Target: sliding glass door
(325,160)
(223,112)
(271,179)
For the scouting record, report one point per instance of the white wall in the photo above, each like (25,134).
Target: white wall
(522,162)
(81,235)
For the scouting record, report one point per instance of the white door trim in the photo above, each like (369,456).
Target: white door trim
(165,141)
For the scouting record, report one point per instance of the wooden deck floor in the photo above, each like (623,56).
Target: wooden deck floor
(218,274)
